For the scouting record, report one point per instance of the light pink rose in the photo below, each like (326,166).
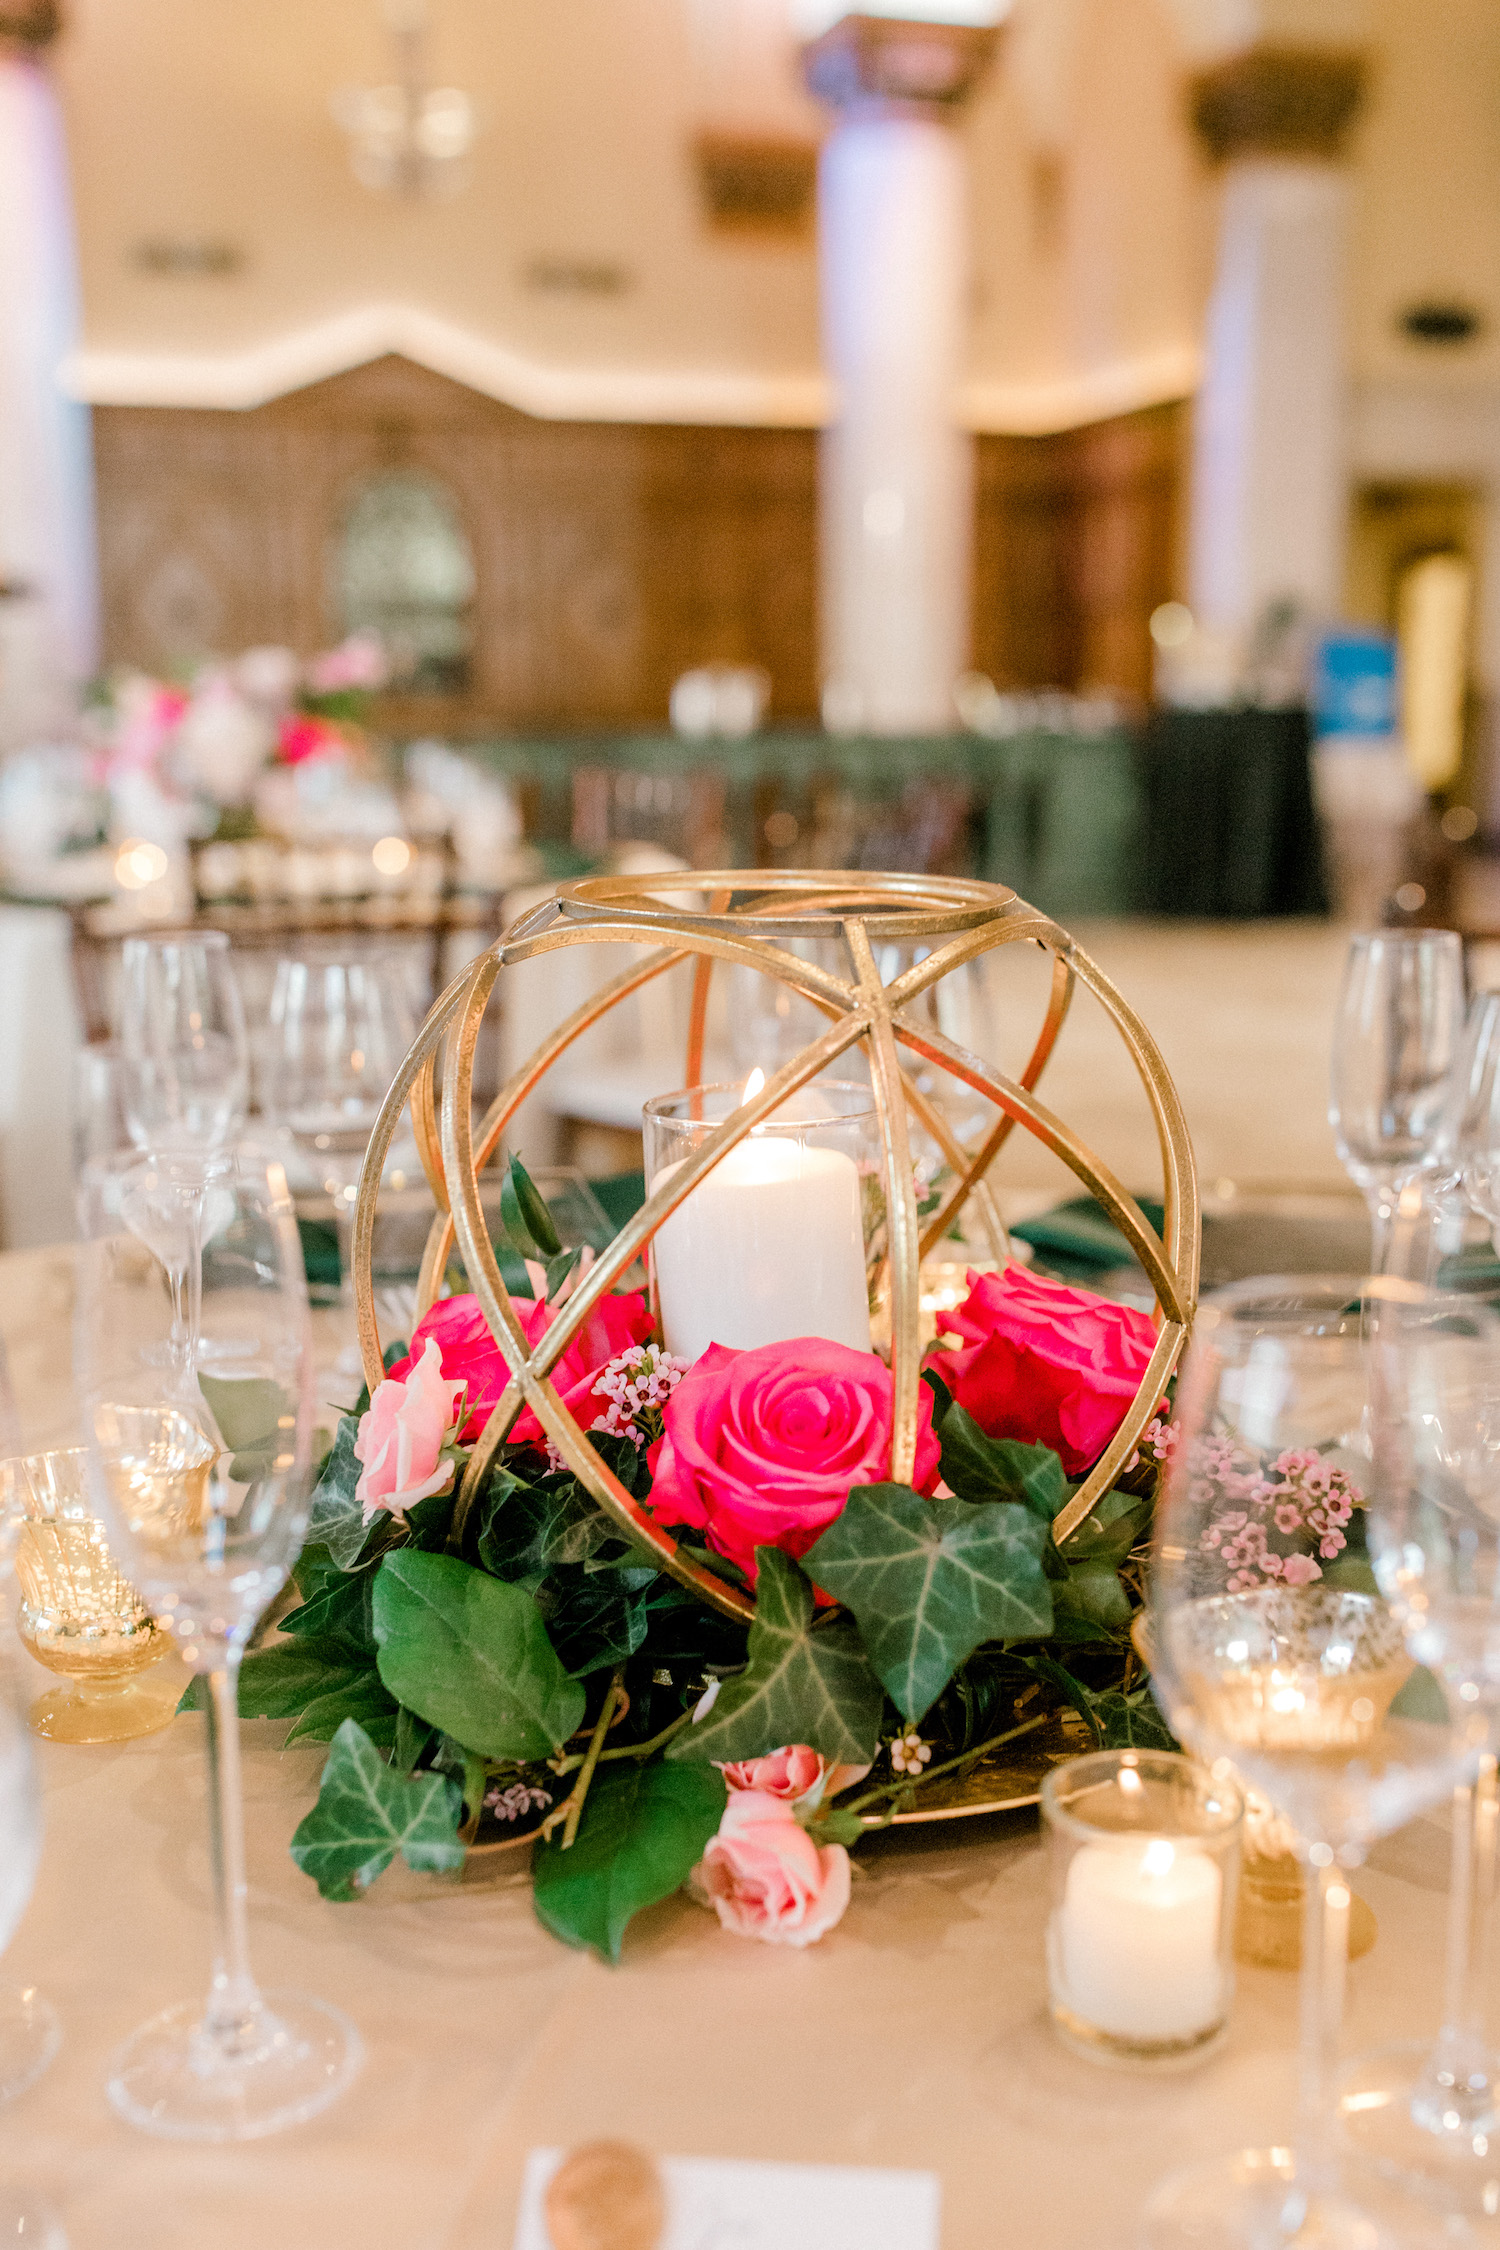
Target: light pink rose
(401,1437)
(762,1448)
(765,1877)
(1043,1363)
(458,1328)
(358,662)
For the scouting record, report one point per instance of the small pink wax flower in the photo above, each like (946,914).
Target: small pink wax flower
(402,1435)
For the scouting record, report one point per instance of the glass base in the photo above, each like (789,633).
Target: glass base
(114,1713)
(30,2036)
(294,2057)
(29,2221)
(1250,2202)
(1439,2140)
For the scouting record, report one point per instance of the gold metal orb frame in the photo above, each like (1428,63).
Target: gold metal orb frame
(742,918)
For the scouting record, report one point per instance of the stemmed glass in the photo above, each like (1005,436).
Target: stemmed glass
(185,1073)
(1397,1034)
(206,1510)
(340,1029)
(1431,2115)
(1266,1660)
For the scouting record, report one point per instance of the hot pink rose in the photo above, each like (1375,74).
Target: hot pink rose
(299,738)
(766,1878)
(762,1448)
(1044,1363)
(471,1356)
(401,1437)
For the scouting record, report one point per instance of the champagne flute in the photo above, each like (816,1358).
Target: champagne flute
(1430,2115)
(340,1029)
(1270,1657)
(1396,1037)
(185,1087)
(206,1511)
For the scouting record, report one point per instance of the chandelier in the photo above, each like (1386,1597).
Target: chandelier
(406,138)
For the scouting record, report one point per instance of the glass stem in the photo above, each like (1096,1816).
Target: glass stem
(1381,1199)
(1455,2092)
(1325,1958)
(233,2010)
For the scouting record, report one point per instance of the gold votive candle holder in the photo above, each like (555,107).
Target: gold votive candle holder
(78,1615)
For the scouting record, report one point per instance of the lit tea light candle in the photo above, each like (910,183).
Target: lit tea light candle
(768,1247)
(1137,1939)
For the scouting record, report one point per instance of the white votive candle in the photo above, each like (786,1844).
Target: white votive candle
(769,1246)
(1137,1940)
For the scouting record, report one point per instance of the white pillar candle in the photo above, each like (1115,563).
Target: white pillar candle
(769,1246)
(1137,1940)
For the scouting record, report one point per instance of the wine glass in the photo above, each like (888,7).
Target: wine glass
(1396,1037)
(1430,2115)
(340,1029)
(206,1511)
(185,1081)
(1272,1657)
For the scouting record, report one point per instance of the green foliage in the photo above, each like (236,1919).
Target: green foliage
(337,1521)
(366,1813)
(977,1467)
(524,1214)
(643,1830)
(928,1580)
(337,1607)
(807,1680)
(830,1826)
(471,1655)
(315,1683)
(525,1529)
(596,1619)
(1118,1720)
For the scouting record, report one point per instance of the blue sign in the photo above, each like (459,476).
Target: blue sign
(1355,692)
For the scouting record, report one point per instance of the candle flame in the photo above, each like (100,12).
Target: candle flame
(753,1084)
(1158,1857)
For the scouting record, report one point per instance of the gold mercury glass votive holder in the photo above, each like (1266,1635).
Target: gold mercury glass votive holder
(1144,1865)
(78,1615)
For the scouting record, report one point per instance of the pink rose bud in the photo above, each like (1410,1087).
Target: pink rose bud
(765,1877)
(790,1774)
(401,1438)
(1043,1363)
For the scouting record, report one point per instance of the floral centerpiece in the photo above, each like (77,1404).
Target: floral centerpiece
(511,1660)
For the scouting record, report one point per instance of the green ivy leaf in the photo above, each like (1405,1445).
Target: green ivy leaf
(806,1681)
(413,1735)
(365,1698)
(928,1580)
(1131,1722)
(524,1213)
(471,1655)
(596,1619)
(337,1520)
(830,1826)
(643,1830)
(365,1814)
(983,1468)
(1090,1603)
(526,1528)
(1113,1526)
(340,1610)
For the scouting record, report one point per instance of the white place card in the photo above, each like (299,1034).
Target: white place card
(716,2204)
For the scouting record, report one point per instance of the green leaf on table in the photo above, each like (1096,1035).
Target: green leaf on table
(471,1655)
(257,1421)
(523,1210)
(984,1468)
(928,1580)
(366,1813)
(807,1680)
(643,1830)
(337,1520)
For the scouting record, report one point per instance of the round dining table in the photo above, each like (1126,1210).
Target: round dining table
(915,2035)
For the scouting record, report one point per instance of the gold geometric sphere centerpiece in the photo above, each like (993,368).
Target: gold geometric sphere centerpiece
(747,918)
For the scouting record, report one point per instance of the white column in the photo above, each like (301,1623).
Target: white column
(1270,474)
(897,472)
(49,633)
(897,479)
